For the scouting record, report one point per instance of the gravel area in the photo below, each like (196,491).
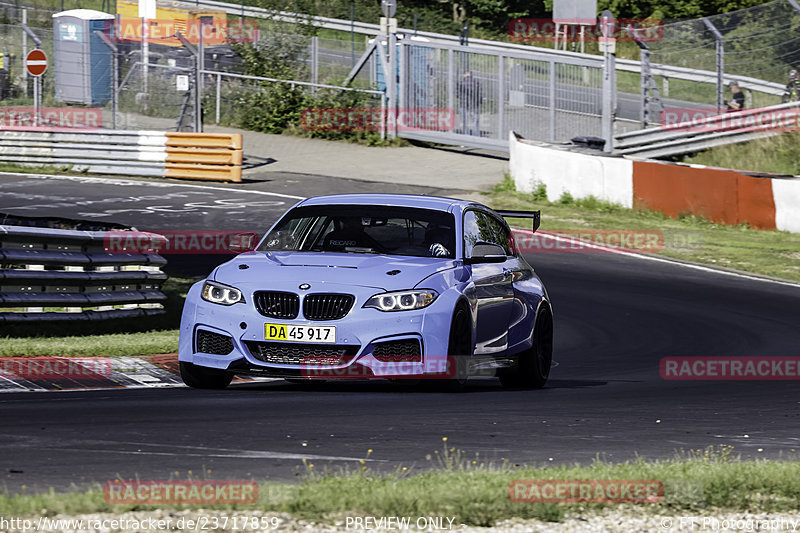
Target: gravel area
(615,520)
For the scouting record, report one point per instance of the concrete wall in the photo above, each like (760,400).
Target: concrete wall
(581,175)
(721,195)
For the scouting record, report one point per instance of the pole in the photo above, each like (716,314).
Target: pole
(352,34)
(720,50)
(198,87)
(145,58)
(608,46)
(219,90)
(552,91)
(25,49)
(198,113)
(37,100)
(501,99)
(314,64)
(391,81)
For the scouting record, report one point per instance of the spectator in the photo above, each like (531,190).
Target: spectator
(737,98)
(468,92)
(792,93)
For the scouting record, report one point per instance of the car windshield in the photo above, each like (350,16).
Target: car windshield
(364,229)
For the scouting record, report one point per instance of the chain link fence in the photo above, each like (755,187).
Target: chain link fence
(760,42)
(490,93)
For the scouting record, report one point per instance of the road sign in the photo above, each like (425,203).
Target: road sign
(389,8)
(36,62)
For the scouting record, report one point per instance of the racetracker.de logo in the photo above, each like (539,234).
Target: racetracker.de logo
(709,119)
(730,368)
(179,242)
(336,367)
(180,492)
(79,118)
(586,491)
(535,30)
(372,119)
(216,31)
(589,241)
(55,368)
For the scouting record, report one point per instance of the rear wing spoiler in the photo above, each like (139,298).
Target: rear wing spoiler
(535,215)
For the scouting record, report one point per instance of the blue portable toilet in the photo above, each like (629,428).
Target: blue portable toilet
(82,60)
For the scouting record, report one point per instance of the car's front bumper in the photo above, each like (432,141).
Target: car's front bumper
(361,332)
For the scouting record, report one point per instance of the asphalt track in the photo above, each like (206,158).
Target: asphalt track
(616,316)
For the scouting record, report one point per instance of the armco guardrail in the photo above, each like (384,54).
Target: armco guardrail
(203,156)
(704,133)
(680,73)
(54,274)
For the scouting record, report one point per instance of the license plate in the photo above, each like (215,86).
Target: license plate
(299,333)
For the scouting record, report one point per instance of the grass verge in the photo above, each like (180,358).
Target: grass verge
(779,155)
(477,493)
(689,237)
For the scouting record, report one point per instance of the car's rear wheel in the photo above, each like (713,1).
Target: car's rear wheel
(199,377)
(533,368)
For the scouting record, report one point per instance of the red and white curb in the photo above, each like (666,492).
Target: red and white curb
(147,371)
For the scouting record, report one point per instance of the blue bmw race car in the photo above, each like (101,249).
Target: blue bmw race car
(373,286)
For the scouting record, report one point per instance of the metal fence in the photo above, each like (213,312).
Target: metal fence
(492,92)
(541,94)
(755,44)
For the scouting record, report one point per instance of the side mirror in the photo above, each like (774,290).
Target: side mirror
(484,252)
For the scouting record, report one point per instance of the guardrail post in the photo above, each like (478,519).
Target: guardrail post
(720,49)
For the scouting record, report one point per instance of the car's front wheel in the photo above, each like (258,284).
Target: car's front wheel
(459,353)
(533,368)
(199,377)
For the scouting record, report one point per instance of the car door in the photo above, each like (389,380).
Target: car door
(494,291)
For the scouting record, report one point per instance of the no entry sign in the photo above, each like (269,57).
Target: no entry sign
(36,62)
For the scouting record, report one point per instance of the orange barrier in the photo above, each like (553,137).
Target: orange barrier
(206,156)
(203,172)
(723,196)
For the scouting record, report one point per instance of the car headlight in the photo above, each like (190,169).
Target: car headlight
(217,293)
(402,300)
